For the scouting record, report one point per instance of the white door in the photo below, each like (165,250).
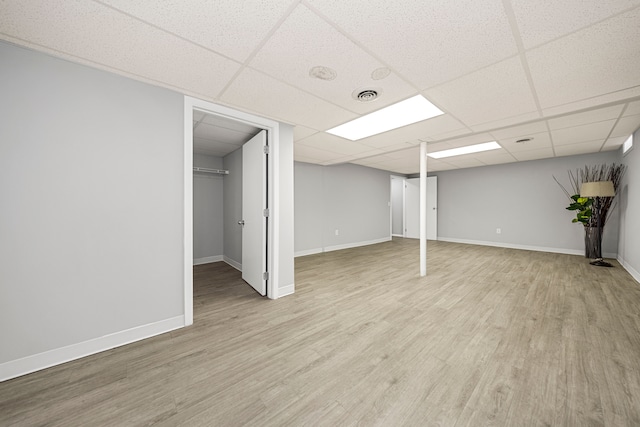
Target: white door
(432,208)
(412,208)
(254,222)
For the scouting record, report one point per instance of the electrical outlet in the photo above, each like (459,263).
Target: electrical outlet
(498,230)
(337,232)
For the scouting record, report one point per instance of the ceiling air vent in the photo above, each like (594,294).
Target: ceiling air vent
(366,95)
(523,140)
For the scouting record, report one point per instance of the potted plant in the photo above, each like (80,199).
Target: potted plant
(593,212)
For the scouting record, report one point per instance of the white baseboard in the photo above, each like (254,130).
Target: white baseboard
(207,260)
(37,362)
(523,247)
(356,245)
(308,252)
(232,263)
(632,271)
(397,235)
(283,291)
(340,247)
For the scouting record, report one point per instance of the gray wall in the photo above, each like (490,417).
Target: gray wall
(350,198)
(521,199)
(629,246)
(208,225)
(232,249)
(91,183)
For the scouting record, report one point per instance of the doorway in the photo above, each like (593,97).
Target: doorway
(405,207)
(271,128)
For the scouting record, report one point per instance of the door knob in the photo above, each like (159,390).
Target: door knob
(241,222)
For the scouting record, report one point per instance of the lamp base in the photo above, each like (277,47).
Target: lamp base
(600,263)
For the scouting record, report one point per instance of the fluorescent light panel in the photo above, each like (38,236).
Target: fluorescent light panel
(400,114)
(465,150)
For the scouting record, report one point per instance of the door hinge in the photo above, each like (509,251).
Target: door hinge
(266,213)
(265,149)
(265,275)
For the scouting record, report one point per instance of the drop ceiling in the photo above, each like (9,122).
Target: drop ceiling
(565,74)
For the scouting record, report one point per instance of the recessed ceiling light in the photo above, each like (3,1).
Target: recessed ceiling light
(465,150)
(403,113)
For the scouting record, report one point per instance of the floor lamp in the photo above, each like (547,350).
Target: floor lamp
(598,190)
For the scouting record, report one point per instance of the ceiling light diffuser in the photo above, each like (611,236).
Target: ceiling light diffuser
(403,113)
(493,145)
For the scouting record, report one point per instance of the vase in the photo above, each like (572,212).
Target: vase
(593,242)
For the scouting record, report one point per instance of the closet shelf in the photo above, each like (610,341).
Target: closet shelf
(213,171)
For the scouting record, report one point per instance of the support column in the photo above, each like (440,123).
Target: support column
(423,208)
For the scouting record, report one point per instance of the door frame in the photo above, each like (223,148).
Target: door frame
(273,182)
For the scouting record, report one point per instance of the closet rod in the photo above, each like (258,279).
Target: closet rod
(209,170)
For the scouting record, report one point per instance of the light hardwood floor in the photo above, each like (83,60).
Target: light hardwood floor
(491,337)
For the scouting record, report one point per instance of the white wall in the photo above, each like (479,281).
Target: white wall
(91,183)
(521,199)
(285,206)
(629,236)
(208,225)
(349,198)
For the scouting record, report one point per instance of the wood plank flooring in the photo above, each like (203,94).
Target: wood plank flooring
(491,337)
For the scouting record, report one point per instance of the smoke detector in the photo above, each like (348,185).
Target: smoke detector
(366,95)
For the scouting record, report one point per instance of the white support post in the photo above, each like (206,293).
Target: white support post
(423,208)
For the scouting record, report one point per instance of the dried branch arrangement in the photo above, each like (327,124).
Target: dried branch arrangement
(601,206)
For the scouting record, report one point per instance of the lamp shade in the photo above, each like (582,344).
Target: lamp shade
(597,189)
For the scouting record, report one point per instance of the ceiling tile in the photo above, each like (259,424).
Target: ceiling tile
(300,132)
(494,157)
(304,41)
(582,133)
(448,135)
(540,153)
(538,141)
(586,117)
(520,131)
(507,121)
(164,58)
(477,32)
(633,108)
(626,126)
(318,156)
(272,98)
(229,27)
(544,20)
(597,60)
(420,130)
(493,93)
(335,144)
(464,161)
(220,149)
(582,148)
(219,134)
(615,142)
(592,102)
